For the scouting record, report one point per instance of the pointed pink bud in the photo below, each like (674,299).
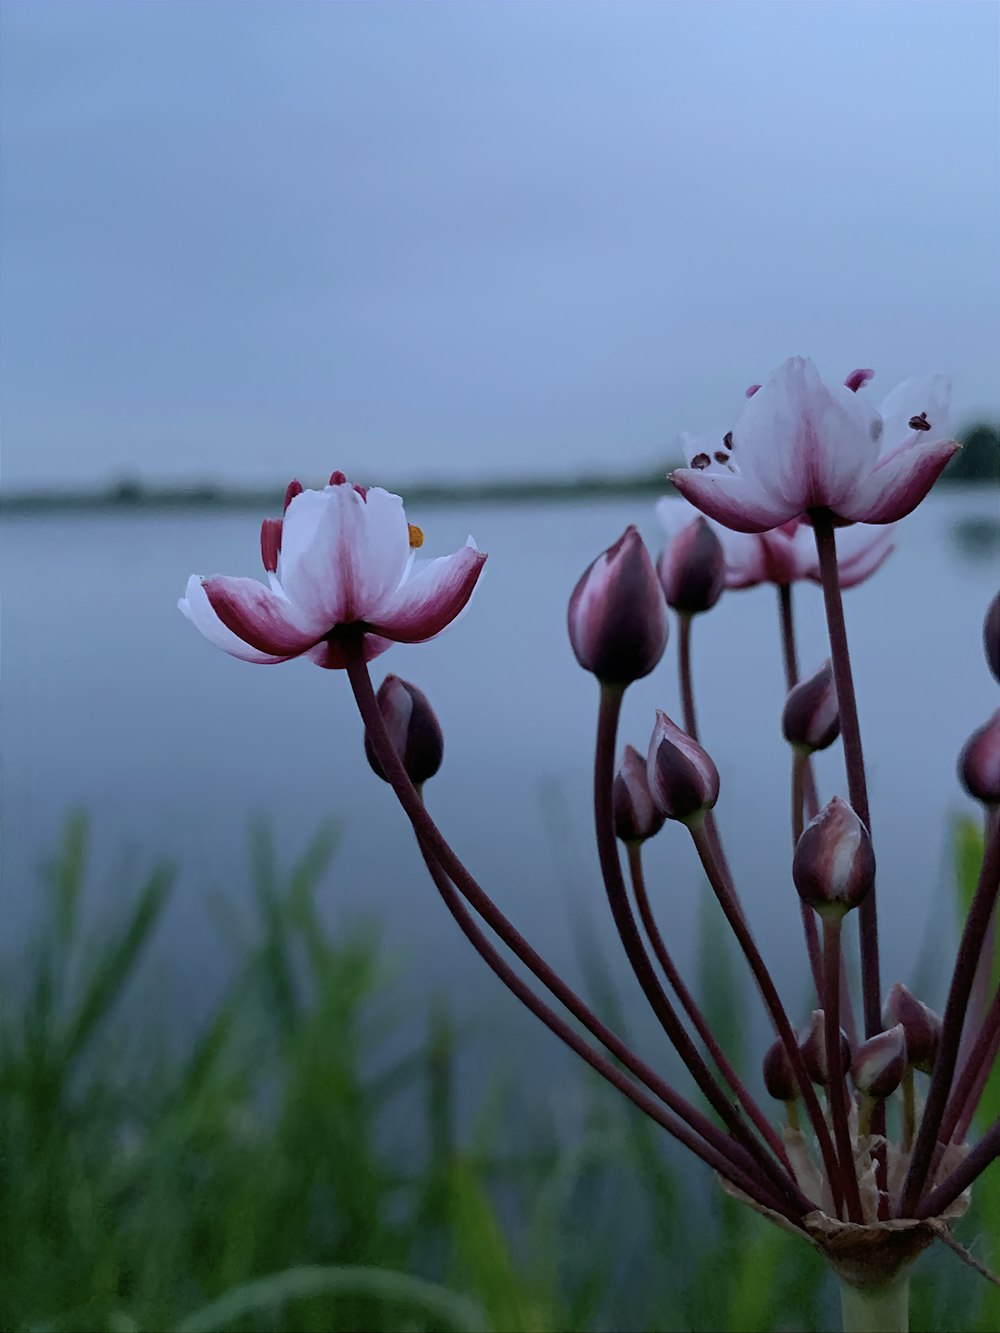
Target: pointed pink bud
(414,729)
(811,719)
(991,636)
(834,865)
(857,379)
(636,817)
(617,616)
(270,543)
(683,781)
(812,1044)
(920,1023)
(692,569)
(294,489)
(979,763)
(779,1079)
(880,1063)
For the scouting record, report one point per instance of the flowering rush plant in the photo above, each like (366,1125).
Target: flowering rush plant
(856,1137)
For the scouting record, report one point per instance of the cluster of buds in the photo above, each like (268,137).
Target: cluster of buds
(805,487)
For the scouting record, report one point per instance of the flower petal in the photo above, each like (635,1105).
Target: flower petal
(342,552)
(930,394)
(861,550)
(198,609)
(737,502)
(431,599)
(257,615)
(803,441)
(897,486)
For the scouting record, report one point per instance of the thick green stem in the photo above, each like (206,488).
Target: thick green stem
(876,1309)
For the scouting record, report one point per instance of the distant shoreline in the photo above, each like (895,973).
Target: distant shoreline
(134,497)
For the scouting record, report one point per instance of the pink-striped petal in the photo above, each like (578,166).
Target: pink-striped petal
(342,552)
(861,550)
(897,486)
(736,501)
(431,599)
(806,442)
(257,615)
(198,609)
(330,655)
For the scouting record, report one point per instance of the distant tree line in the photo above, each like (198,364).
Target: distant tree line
(979,458)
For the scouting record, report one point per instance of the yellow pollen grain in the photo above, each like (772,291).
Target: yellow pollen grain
(416,537)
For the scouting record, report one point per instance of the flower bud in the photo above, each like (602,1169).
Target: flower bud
(979,763)
(991,635)
(921,1025)
(617,615)
(413,728)
(834,865)
(811,719)
(692,569)
(683,781)
(779,1078)
(636,817)
(812,1044)
(880,1063)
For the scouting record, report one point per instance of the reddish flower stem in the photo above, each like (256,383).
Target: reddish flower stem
(749,1183)
(628,932)
(690,1007)
(835,1066)
(432,841)
(973,1077)
(972,1165)
(850,730)
(776,1009)
(980,909)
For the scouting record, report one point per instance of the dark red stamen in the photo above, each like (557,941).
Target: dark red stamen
(701,462)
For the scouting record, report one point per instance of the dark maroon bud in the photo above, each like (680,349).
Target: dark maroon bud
(683,781)
(693,569)
(636,817)
(294,489)
(812,1044)
(617,615)
(834,865)
(811,719)
(270,543)
(779,1078)
(880,1063)
(979,763)
(991,636)
(413,727)
(920,1023)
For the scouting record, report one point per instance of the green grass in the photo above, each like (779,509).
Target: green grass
(297,1166)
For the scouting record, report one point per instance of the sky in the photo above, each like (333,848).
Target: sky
(242,241)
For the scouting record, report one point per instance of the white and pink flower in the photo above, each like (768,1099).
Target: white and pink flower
(340,562)
(803,444)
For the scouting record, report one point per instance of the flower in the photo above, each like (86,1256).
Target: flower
(617,617)
(787,554)
(339,562)
(879,1063)
(801,444)
(979,762)
(811,719)
(834,866)
(683,780)
(692,567)
(636,817)
(413,728)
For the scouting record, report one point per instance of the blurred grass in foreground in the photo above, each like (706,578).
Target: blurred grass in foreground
(284,1173)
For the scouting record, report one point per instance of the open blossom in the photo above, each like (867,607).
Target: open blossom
(802,444)
(787,554)
(340,561)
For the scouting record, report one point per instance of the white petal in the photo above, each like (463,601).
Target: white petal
(921,393)
(897,486)
(431,599)
(803,441)
(736,502)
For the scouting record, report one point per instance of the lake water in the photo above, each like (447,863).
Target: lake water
(113,703)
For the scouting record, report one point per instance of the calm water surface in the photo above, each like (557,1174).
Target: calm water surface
(113,703)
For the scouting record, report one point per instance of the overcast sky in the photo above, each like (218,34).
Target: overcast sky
(245,240)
